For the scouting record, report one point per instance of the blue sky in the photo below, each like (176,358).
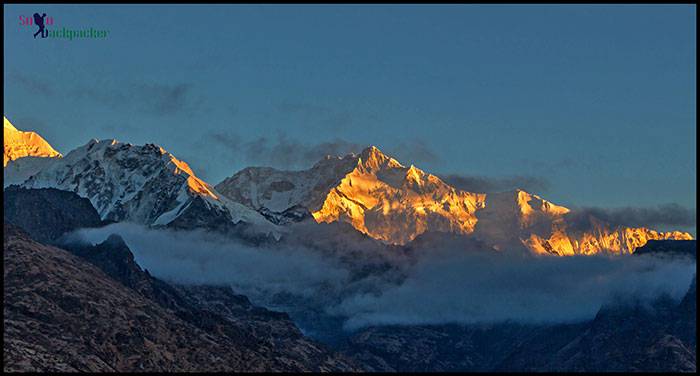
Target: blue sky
(596,103)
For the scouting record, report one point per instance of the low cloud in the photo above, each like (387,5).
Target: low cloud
(454,286)
(198,257)
(471,183)
(450,282)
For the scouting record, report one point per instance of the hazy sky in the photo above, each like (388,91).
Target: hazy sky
(597,102)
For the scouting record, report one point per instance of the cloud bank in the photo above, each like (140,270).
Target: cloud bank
(446,283)
(197,257)
(461,287)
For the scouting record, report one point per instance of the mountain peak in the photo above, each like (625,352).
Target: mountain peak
(147,185)
(371,149)
(8,125)
(372,152)
(372,160)
(414,174)
(19,144)
(106,141)
(529,203)
(177,166)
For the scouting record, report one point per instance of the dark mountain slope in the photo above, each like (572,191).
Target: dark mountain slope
(63,313)
(46,214)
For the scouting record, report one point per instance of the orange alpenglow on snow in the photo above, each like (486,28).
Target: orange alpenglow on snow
(193,183)
(392,203)
(387,201)
(18,144)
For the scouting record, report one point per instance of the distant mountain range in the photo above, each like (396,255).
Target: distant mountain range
(371,191)
(70,305)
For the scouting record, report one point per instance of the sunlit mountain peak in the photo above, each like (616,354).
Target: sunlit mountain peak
(8,125)
(372,160)
(19,144)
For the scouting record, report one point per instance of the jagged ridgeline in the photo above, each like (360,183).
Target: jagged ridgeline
(373,192)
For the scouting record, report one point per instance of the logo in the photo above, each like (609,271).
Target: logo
(41,21)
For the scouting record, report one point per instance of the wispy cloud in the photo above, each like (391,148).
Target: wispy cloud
(166,99)
(284,152)
(324,116)
(281,151)
(471,183)
(151,98)
(154,98)
(672,215)
(415,151)
(33,84)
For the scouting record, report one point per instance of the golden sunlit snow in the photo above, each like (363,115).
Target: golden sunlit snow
(18,144)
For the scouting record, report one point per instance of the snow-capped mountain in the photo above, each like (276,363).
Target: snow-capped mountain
(146,185)
(18,144)
(384,199)
(518,217)
(600,237)
(19,170)
(371,191)
(286,196)
(375,193)
(25,153)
